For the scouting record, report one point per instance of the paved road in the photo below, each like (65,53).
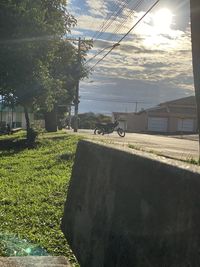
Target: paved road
(177,147)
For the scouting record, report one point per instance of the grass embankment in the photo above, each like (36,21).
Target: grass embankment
(33,188)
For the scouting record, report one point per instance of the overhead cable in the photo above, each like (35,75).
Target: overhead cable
(128,15)
(114,45)
(118,28)
(126,34)
(115,16)
(106,20)
(115,100)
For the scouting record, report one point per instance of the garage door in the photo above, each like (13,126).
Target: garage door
(185,125)
(157,124)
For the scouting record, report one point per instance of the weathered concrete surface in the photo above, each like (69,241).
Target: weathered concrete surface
(32,261)
(175,148)
(132,210)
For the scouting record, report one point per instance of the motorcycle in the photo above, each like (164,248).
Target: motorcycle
(107,128)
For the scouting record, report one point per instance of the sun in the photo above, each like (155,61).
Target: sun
(162,20)
(157,30)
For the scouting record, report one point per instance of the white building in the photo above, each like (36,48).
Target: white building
(14,116)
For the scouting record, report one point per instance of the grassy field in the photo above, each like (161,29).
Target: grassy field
(33,188)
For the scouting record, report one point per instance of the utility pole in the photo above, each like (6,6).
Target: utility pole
(195,33)
(136,106)
(76,100)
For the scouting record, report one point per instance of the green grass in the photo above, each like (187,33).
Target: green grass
(193,161)
(136,147)
(33,189)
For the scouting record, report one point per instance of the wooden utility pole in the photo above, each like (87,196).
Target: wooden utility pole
(195,33)
(136,103)
(76,100)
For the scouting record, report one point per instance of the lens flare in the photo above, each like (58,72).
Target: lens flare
(162,20)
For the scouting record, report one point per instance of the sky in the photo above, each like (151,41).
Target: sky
(153,64)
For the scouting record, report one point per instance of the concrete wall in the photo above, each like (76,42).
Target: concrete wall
(137,122)
(132,210)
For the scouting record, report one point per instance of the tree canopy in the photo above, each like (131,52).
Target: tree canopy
(38,66)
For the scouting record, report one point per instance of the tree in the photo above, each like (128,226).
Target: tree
(60,80)
(31,34)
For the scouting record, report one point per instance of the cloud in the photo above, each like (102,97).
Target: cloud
(157,62)
(97,8)
(146,57)
(147,94)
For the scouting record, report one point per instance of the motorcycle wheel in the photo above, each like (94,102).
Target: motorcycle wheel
(121,132)
(97,131)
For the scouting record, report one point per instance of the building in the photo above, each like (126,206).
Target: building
(176,116)
(14,116)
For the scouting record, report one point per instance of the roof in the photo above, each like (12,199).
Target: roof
(122,113)
(156,108)
(159,109)
(190,100)
(181,104)
(185,105)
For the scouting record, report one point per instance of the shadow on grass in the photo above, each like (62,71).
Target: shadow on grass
(64,137)
(67,156)
(14,145)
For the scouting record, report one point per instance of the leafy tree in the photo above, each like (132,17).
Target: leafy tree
(65,69)
(32,35)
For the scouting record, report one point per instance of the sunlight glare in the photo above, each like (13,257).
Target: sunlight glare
(162,20)
(160,30)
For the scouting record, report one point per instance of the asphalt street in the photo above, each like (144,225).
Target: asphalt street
(177,147)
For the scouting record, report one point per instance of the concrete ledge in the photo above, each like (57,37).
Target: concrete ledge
(34,261)
(132,209)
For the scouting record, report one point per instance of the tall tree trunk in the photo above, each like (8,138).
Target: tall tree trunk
(51,121)
(27,120)
(195,32)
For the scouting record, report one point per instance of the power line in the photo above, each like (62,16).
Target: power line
(115,15)
(114,45)
(115,100)
(105,21)
(118,28)
(128,15)
(101,8)
(126,34)
(109,16)
(139,20)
